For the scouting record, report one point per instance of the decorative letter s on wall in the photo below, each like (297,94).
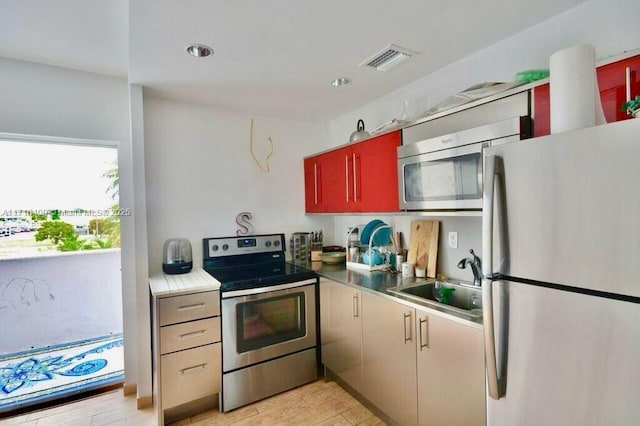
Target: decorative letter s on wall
(243,222)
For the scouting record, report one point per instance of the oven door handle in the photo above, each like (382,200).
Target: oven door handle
(267,289)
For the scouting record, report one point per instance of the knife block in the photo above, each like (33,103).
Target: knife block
(316,251)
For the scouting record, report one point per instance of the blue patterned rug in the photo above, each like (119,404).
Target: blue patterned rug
(39,375)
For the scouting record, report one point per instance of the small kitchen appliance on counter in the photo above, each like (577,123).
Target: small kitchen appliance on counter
(176,258)
(269,317)
(300,246)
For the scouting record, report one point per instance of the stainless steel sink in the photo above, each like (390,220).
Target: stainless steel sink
(456,297)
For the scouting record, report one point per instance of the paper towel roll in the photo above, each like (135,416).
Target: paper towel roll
(574,98)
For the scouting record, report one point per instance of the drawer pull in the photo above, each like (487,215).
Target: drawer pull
(193,369)
(193,334)
(188,307)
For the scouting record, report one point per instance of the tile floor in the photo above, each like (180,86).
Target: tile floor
(317,403)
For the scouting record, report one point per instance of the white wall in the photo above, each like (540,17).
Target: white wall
(200,174)
(143,313)
(611,26)
(67,296)
(50,101)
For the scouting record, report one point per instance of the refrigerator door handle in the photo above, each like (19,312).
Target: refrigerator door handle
(489,190)
(487,272)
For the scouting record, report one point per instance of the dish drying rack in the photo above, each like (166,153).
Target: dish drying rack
(365,266)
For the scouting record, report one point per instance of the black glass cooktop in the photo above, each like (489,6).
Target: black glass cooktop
(244,277)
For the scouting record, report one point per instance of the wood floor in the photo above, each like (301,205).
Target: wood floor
(318,403)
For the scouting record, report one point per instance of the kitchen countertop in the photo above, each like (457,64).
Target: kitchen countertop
(379,282)
(164,285)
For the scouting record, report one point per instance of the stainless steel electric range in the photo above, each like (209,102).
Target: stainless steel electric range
(269,317)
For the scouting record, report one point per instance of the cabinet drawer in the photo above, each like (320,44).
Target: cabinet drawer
(190,334)
(190,375)
(177,309)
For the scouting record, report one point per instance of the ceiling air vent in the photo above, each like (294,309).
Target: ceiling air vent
(388,58)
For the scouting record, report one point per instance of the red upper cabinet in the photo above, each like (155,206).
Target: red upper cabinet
(334,168)
(311,185)
(361,177)
(375,174)
(324,176)
(612,86)
(541,110)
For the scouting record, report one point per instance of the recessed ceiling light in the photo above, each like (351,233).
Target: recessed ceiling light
(199,50)
(342,81)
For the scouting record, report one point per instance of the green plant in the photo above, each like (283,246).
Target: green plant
(73,243)
(114,180)
(55,231)
(631,106)
(103,244)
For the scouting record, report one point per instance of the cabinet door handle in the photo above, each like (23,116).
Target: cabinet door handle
(627,85)
(193,369)
(315,182)
(420,322)
(189,307)
(356,310)
(346,176)
(320,199)
(193,334)
(407,339)
(355,179)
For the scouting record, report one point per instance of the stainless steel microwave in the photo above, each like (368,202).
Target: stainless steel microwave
(445,173)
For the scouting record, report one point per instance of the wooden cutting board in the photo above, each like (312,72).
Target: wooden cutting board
(423,244)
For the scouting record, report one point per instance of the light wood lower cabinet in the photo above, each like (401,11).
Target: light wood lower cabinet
(389,358)
(416,366)
(341,331)
(186,353)
(450,372)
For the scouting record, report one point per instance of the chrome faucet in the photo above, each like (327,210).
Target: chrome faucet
(476,267)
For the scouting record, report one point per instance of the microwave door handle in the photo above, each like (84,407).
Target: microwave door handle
(488,276)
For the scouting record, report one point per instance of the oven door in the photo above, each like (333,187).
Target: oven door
(450,179)
(265,323)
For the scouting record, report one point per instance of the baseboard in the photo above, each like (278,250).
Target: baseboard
(129,389)
(145,401)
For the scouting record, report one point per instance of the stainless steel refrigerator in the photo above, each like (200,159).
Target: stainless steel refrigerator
(561,288)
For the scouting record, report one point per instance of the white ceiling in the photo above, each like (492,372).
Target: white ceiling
(272,57)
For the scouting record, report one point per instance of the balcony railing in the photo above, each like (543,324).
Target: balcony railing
(58,298)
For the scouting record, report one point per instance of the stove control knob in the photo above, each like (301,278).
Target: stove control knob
(225,247)
(268,243)
(276,243)
(214,247)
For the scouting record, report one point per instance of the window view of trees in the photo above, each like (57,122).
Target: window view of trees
(34,231)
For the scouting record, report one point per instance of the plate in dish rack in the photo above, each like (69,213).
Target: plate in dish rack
(380,238)
(368,229)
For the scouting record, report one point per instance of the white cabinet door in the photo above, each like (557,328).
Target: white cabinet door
(389,362)
(341,331)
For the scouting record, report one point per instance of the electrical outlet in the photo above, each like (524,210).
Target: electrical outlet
(453,240)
